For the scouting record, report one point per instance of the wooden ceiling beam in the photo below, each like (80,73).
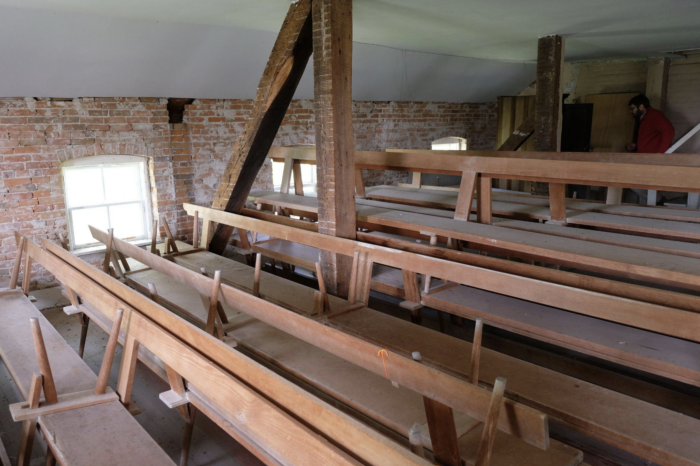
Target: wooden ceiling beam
(280,79)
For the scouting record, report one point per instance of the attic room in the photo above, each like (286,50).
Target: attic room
(349,232)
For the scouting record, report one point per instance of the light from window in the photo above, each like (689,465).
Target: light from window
(107,196)
(450,144)
(308,177)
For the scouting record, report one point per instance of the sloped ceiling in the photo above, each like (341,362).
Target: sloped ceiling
(440,50)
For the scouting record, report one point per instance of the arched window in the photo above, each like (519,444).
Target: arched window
(107,191)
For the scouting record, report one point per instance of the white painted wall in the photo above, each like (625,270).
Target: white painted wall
(64,54)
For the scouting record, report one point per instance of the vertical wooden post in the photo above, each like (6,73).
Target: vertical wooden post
(557,202)
(44,366)
(84,324)
(27,276)
(483,208)
(256,276)
(488,435)
(26,440)
(108,251)
(127,369)
(548,111)
(287,175)
(443,433)
(195,230)
(169,234)
(476,352)
(213,303)
(466,196)
(103,377)
(412,296)
(359,183)
(16,265)
(298,180)
(279,81)
(154,235)
(332,48)
(352,292)
(322,288)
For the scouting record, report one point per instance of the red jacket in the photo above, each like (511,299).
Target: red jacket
(655,133)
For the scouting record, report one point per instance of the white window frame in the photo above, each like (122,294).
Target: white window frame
(105,161)
(309,185)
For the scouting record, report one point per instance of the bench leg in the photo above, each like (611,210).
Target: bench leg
(187,435)
(125,382)
(26,442)
(50,459)
(84,322)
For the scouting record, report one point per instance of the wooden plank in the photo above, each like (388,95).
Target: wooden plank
(623,311)
(22,411)
(600,285)
(350,434)
(466,196)
(520,135)
(443,433)
(484,201)
(623,261)
(657,434)
(332,43)
(658,354)
(527,424)
(279,81)
(596,169)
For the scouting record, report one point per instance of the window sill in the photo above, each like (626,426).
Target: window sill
(103,248)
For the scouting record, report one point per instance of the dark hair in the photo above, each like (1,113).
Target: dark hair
(640,99)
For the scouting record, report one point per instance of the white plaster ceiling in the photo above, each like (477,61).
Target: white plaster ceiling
(453,50)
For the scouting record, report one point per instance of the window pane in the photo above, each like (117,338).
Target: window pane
(83,187)
(81,218)
(122,183)
(127,221)
(277,172)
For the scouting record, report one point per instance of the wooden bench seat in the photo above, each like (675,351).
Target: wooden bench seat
(655,433)
(644,429)
(104,434)
(372,395)
(664,221)
(679,248)
(628,262)
(647,351)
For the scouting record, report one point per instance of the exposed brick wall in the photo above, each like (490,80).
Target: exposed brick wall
(37,135)
(214,125)
(186,160)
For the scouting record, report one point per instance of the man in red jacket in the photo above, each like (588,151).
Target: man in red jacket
(655,133)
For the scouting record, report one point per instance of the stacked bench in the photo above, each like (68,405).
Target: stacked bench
(104,433)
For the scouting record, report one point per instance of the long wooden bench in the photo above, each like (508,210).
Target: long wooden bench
(626,262)
(106,433)
(285,426)
(679,248)
(573,403)
(372,395)
(651,220)
(659,354)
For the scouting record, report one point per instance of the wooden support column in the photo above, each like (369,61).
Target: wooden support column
(332,41)
(280,79)
(548,112)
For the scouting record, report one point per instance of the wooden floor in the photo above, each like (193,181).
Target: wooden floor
(210,445)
